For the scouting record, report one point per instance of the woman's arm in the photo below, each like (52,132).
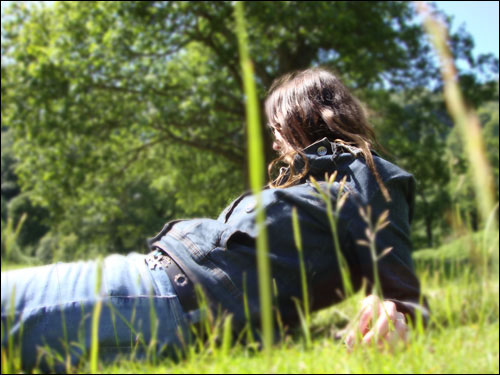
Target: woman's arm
(400,287)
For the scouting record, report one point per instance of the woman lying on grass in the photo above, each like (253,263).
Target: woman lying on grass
(319,129)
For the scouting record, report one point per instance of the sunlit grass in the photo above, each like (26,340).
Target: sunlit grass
(474,351)
(462,336)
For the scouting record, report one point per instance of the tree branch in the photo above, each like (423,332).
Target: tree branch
(209,42)
(233,156)
(129,90)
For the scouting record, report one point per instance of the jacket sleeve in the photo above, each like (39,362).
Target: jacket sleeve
(396,271)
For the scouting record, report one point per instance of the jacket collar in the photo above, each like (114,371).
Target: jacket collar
(324,147)
(322,156)
(320,148)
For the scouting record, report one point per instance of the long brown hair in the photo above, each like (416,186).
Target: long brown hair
(309,105)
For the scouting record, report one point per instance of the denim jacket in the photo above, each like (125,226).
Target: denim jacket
(220,254)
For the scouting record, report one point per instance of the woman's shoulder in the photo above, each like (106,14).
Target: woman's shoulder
(362,180)
(386,169)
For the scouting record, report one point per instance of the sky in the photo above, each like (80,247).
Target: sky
(480,19)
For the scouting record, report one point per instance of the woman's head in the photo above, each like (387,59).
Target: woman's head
(306,106)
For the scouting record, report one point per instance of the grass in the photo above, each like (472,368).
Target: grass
(474,351)
(462,337)
(8,266)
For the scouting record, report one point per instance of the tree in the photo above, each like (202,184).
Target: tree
(460,186)
(15,203)
(114,100)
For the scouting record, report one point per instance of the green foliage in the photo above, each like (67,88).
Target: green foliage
(460,186)
(53,247)
(16,204)
(11,251)
(453,258)
(33,229)
(10,187)
(414,130)
(125,115)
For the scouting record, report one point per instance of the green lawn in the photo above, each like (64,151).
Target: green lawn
(462,337)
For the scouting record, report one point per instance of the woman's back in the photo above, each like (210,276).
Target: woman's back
(221,254)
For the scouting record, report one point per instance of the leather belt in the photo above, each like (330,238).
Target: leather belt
(159,259)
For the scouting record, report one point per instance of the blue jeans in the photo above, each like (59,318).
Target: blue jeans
(52,306)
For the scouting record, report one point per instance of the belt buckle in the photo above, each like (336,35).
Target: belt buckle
(158,259)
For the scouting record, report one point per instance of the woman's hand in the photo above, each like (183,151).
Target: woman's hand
(390,324)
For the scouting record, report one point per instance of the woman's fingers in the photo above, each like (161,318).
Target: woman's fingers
(401,327)
(363,326)
(368,305)
(390,325)
(385,322)
(365,319)
(394,337)
(385,333)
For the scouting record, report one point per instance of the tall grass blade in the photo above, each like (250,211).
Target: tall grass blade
(331,213)
(279,321)
(304,324)
(11,359)
(256,167)
(94,345)
(250,338)
(303,277)
(227,336)
(10,235)
(465,119)
(153,318)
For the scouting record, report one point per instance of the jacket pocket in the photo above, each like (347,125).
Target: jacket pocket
(199,236)
(166,228)
(237,236)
